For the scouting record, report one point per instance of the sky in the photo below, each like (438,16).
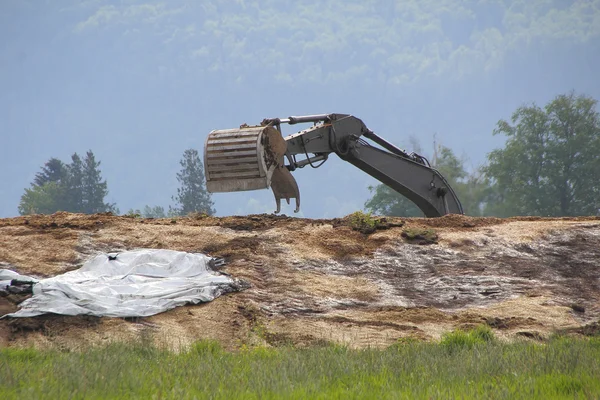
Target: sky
(138,82)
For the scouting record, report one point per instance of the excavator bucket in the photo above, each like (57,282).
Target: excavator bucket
(248,158)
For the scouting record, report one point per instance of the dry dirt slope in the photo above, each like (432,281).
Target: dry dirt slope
(320,280)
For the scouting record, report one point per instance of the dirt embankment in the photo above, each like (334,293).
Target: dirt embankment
(320,280)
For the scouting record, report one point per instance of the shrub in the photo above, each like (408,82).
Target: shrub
(467,339)
(204,347)
(363,222)
(420,235)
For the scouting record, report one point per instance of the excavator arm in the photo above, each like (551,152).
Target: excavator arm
(253,157)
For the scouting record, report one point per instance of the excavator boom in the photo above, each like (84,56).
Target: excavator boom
(252,158)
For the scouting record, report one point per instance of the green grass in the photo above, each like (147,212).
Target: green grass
(463,365)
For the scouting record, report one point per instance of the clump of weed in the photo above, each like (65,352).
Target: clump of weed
(20,354)
(262,353)
(197,215)
(406,341)
(561,384)
(206,346)
(420,235)
(364,222)
(482,333)
(460,339)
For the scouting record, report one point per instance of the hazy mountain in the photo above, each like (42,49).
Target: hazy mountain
(138,82)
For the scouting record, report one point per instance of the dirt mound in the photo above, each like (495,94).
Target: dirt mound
(321,280)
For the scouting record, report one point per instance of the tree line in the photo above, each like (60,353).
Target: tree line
(75,187)
(78,187)
(549,166)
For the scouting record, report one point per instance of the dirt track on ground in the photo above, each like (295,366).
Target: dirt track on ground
(312,281)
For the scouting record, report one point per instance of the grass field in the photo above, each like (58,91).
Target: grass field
(462,365)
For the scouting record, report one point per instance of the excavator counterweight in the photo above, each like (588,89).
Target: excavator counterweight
(253,157)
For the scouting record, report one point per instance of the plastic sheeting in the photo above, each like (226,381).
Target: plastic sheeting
(7,276)
(129,284)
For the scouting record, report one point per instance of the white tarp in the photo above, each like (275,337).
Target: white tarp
(135,284)
(7,276)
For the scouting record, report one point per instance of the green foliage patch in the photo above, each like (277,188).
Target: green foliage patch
(547,167)
(74,187)
(420,235)
(460,339)
(363,222)
(367,223)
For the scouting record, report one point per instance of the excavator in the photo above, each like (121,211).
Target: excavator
(254,157)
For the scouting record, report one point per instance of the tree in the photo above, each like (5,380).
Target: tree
(154,212)
(42,199)
(47,193)
(549,165)
(473,192)
(148,212)
(93,189)
(53,171)
(192,195)
(470,187)
(387,201)
(74,187)
(451,167)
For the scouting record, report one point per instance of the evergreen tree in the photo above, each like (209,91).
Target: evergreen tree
(74,185)
(192,195)
(93,189)
(154,212)
(42,199)
(53,171)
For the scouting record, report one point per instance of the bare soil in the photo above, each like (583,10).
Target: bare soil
(315,281)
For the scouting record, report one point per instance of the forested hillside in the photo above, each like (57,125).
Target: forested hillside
(140,81)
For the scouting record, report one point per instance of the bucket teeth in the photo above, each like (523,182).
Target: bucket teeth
(284,186)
